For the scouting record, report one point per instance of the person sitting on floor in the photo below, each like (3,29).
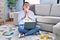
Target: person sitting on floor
(26,15)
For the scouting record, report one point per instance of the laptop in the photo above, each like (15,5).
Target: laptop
(29,25)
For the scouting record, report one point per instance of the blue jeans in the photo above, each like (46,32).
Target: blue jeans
(28,32)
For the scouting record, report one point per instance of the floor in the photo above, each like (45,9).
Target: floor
(15,36)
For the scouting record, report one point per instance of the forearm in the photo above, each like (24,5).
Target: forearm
(32,18)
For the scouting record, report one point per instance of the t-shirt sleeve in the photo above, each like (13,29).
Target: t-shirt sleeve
(20,16)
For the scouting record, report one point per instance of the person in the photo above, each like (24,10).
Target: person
(26,15)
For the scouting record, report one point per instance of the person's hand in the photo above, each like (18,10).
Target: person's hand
(26,10)
(26,13)
(27,17)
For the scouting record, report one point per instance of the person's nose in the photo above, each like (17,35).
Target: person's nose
(26,6)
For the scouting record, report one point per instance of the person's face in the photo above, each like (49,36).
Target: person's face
(26,6)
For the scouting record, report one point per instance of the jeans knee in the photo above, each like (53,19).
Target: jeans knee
(38,27)
(19,29)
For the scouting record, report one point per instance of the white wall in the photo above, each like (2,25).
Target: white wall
(19,5)
(48,1)
(33,1)
(42,1)
(6,9)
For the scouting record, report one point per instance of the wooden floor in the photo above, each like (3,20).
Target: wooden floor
(7,22)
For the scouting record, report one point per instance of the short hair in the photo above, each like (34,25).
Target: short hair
(25,2)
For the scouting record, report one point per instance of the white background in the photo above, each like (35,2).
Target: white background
(33,1)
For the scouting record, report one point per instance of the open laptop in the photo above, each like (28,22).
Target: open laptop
(29,25)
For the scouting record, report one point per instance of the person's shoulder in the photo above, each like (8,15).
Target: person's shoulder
(21,11)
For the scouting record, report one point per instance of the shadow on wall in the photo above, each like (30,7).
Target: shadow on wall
(19,5)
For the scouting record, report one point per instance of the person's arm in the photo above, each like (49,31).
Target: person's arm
(32,16)
(20,16)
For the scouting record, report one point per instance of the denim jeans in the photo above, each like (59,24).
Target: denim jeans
(28,32)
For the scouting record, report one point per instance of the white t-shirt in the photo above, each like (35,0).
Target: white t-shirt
(22,20)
